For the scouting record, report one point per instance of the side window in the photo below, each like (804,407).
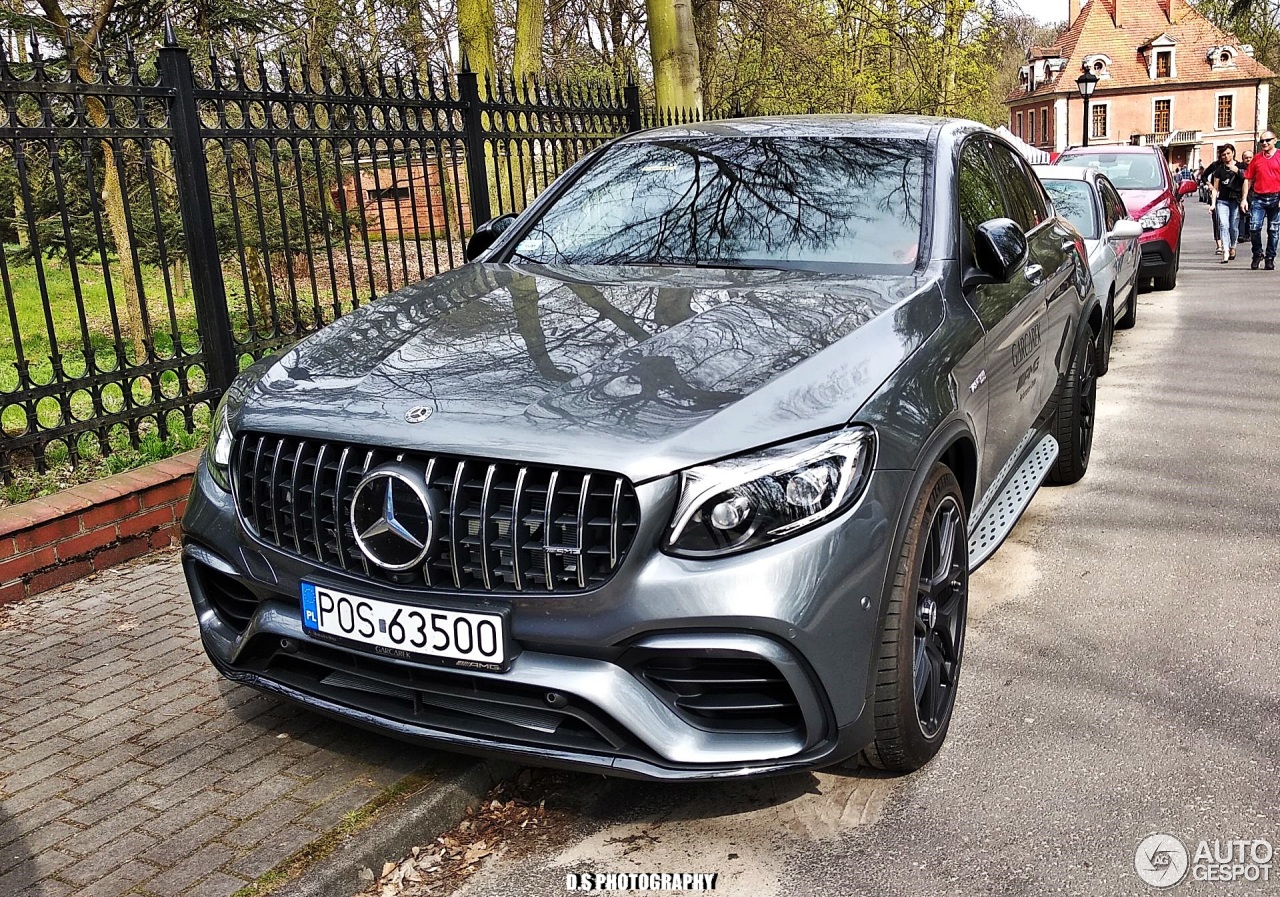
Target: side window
(1112,202)
(979,193)
(1026,203)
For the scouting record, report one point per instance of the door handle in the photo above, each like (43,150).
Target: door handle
(1035,275)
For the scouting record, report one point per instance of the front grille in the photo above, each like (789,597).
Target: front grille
(501,527)
(725,694)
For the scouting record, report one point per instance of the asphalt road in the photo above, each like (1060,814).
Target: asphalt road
(1121,669)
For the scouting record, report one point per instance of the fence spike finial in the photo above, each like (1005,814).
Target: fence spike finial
(466,62)
(36,55)
(128,44)
(170,38)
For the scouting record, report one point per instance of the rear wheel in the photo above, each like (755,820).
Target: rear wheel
(1073,426)
(922,638)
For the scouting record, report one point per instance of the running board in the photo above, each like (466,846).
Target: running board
(1008,506)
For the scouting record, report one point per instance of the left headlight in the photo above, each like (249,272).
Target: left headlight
(766,496)
(220,440)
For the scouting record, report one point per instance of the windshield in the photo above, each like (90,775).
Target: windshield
(1074,201)
(824,202)
(1128,171)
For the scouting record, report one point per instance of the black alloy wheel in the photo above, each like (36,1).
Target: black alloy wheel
(916,669)
(942,601)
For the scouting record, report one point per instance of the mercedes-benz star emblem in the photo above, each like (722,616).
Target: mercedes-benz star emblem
(417,414)
(392,516)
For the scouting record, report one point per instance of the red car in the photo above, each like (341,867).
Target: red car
(1142,176)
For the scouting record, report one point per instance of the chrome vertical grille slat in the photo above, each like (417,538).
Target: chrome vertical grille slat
(499,527)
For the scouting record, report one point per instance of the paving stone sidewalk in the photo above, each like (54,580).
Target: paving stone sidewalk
(128,766)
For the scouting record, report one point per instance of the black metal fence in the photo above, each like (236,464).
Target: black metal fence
(164,224)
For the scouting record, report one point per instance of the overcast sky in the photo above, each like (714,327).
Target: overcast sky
(1045,11)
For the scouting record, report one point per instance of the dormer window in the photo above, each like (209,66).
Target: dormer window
(1161,57)
(1098,64)
(1222,58)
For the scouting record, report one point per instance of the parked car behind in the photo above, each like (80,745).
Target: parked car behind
(1152,198)
(1087,198)
(684,476)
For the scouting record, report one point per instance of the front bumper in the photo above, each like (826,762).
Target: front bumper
(1157,256)
(582,692)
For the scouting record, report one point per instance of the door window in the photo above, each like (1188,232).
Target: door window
(1025,201)
(979,193)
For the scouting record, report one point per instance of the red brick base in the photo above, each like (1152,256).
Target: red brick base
(48,542)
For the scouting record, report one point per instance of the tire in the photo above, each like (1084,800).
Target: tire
(1075,415)
(924,624)
(1108,334)
(1169,279)
(1130,316)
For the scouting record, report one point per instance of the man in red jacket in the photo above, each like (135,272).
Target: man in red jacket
(1262,200)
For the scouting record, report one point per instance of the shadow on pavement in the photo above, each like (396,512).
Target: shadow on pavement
(18,873)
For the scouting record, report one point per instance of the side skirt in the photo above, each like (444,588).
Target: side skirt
(999,519)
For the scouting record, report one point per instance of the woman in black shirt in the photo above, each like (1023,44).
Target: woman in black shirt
(1226,186)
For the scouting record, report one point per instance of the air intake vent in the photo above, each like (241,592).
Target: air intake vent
(726,694)
(496,527)
(232,601)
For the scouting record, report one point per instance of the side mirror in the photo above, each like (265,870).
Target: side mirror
(1125,229)
(486,235)
(1187,187)
(1000,249)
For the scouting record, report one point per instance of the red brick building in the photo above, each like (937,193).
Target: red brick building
(1166,76)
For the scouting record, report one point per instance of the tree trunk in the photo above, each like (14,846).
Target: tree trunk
(531,24)
(477,35)
(706,25)
(113,203)
(258,275)
(673,47)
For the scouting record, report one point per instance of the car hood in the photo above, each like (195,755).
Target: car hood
(1139,202)
(638,370)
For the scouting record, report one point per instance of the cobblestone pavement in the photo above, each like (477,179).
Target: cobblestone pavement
(128,766)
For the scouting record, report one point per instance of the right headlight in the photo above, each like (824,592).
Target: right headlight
(766,496)
(220,442)
(1155,219)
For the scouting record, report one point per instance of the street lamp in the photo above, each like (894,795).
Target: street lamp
(1086,83)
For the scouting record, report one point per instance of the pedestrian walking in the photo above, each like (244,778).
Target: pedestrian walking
(1245,158)
(1226,192)
(1205,181)
(1262,200)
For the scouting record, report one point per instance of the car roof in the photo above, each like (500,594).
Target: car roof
(1066,173)
(920,127)
(1108,150)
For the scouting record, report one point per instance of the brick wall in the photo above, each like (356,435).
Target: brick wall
(47,542)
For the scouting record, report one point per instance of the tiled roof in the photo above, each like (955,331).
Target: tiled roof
(1095,31)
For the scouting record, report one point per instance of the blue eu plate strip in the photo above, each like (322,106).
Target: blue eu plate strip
(310,613)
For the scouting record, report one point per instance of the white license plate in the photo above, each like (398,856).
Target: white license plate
(398,629)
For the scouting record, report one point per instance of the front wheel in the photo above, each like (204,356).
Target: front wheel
(1169,279)
(922,637)
(1074,415)
(1130,316)
(1108,334)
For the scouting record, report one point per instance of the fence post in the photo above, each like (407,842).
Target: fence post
(196,207)
(631,99)
(473,141)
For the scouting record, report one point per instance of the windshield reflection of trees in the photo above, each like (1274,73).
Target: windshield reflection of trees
(576,345)
(1072,200)
(707,200)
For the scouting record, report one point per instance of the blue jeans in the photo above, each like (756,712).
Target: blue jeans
(1264,206)
(1228,217)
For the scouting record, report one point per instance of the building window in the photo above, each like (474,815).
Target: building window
(1226,112)
(1019,131)
(1031,116)
(1044,125)
(1098,121)
(1163,118)
(1164,64)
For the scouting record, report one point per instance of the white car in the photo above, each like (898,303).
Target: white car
(1086,198)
